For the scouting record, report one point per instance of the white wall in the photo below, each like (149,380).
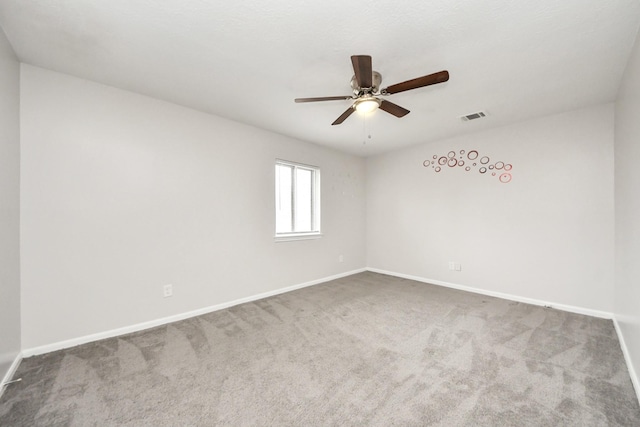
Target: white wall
(546,235)
(122,194)
(9,206)
(627,206)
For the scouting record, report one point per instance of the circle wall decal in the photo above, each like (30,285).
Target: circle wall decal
(484,160)
(452,162)
(483,170)
(426,163)
(442,161)
(472,155)
(438,169)
(505,177)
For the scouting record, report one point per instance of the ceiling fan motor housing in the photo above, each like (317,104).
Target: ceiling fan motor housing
(376,78)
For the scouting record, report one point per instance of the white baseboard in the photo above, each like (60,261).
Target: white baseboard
(627,357)
(563,307)
(163,321)
(10,373)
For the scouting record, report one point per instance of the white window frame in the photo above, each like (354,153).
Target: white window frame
(314,233)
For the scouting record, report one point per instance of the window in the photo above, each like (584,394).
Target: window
(297,201)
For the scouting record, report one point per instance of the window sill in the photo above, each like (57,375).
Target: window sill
(293,237)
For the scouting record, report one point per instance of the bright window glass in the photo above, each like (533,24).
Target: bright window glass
(297,199)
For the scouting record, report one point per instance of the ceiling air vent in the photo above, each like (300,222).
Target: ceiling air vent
(474,116)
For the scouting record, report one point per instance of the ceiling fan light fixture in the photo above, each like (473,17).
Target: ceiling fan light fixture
(366,90)
(367,104)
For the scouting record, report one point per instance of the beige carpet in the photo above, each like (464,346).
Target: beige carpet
(368,349)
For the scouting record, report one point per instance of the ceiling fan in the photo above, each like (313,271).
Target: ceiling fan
(366,90)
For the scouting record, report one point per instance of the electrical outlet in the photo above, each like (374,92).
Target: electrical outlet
(452,265)
(341,258)
(458,266)
(167,290)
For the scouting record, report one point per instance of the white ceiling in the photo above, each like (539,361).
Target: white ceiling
(248,60)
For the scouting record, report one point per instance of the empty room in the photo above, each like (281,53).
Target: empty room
(334,213)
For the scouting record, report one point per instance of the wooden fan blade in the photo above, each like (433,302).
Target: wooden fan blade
(394,109)
(363,70)
(344,116)
(423,81)
(324,98)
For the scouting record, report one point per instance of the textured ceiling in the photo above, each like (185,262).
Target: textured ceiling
(248,60)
